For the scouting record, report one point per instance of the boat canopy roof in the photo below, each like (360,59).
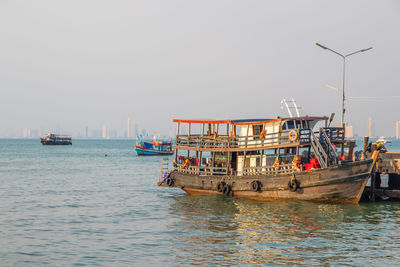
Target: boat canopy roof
(306,118)
(248,121)
(202,121)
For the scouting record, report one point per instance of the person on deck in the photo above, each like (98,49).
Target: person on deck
(186,163)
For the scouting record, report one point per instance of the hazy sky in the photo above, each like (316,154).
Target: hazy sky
(90,63)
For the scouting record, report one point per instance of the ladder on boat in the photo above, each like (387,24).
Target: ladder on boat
(328,147)
(323,149)
(164,169)
(319,151)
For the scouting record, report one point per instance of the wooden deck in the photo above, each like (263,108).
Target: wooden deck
(389,164)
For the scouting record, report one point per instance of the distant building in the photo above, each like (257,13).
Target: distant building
(136,130)
(371,127)
(87,132)
(104,132)
(112,134)
(348,131)
(96,134)
(397,129)
(34,133)
(27,133)
(128,128)
(40,132)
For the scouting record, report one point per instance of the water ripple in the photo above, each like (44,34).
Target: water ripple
(63,207)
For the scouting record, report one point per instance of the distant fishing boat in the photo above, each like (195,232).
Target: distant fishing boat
(153,148)
(383,140)
(54,140)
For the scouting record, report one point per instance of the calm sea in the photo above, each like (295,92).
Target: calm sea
(73,206)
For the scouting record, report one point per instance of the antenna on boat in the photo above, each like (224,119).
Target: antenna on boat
(289,108)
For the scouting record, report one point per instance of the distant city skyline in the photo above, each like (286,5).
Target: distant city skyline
(105,132)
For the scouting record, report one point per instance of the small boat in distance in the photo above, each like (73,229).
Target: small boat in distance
(383,140)
(55,139)
(152,148)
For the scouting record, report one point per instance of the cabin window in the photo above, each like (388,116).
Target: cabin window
(290,124)
(257,131)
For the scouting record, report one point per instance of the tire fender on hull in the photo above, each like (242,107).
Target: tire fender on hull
(293,185)
(256,186)
(226,189)
(220,186)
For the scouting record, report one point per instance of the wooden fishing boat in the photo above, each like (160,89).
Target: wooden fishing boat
(159,149)
(153,148)
(266,160)
(56,140)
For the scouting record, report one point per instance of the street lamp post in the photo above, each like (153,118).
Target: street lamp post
(344,67)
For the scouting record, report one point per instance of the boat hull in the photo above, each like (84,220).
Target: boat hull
(152,152)
(340,184)
(55,143)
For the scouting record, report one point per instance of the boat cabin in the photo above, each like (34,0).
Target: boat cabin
(157,147)
(255,146)
(55,139)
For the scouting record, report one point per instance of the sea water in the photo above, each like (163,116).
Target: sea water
(96,203)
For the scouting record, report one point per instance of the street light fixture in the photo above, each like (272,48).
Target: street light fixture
(344,65)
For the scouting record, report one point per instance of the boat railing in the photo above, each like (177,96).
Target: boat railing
(247,171)
(201,170)
(334,134)
(260,170)
(224,141)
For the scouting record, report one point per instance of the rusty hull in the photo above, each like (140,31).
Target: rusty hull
(343,183)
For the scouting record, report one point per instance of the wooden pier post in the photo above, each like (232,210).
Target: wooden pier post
(366,139)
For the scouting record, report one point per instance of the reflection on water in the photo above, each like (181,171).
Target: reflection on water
(220,230)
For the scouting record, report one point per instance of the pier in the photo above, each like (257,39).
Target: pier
(388,164)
